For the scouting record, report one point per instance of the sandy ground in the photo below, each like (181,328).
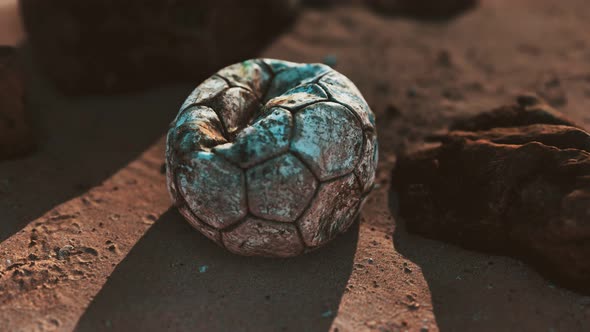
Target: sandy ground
(89,241)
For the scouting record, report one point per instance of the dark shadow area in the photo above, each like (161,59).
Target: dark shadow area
(426,10)
(113,47)
(474,291)
(82,142)
(187,283)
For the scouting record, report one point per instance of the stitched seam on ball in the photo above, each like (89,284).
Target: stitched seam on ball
(317,80)
(223,78)
(300,107)
(307,208)
(270,81)
(252,218)
(185,203)
(298,156)
(332,99)
(300,237)
(238,223)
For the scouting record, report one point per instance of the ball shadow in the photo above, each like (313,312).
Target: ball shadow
(176,279)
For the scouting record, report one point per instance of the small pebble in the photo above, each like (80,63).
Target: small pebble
(64,251)
(414,306)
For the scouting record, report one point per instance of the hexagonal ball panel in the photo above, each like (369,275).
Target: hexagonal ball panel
(328,138)
(280,189)
(250,74)
(299,96)
(268,136)
(344,91)
(333,210)
(213,189)
(256,237)
(368,164)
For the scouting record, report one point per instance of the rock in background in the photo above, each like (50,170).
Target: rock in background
(512,181)
(16,135)
(105,46)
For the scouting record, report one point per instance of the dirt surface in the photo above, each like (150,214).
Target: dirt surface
(89,241)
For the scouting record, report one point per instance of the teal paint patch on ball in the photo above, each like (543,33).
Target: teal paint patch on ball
(272,158)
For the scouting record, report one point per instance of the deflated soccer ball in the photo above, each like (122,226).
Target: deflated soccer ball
(272,158)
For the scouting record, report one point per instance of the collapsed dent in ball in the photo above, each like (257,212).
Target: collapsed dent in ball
(272,158)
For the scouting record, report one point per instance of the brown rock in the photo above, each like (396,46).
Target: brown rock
(420,9)
(16,136)
(114,46)
(529,110)
(520,190)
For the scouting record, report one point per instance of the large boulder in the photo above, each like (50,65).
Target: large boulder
(513,181)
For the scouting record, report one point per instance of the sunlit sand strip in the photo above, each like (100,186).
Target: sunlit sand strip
(380,280)
(73,248)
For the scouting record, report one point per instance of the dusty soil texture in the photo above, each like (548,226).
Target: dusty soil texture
(513,181)
(89,240)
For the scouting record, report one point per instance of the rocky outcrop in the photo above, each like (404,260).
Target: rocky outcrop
(513,181)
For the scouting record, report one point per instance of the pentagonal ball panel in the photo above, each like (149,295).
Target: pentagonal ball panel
(256,237)
(213,189)
(334,209)
(267,137)
(328,138)
(280,189)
